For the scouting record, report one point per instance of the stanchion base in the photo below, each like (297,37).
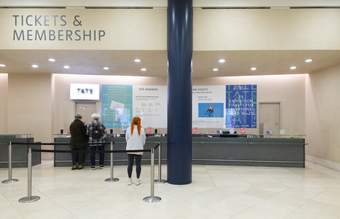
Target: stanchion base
(29,199)
(111,180)
(161,181)
(152,199)
(7,181)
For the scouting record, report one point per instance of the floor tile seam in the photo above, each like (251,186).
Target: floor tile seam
(324,203)
(210,177)
(292,210)
(9,201)
(310,199)
(277,194)
(297,209)
(44,195)
(55,203)
(242,210)
(320,166)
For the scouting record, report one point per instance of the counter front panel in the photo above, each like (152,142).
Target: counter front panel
(19,152)
(288,152)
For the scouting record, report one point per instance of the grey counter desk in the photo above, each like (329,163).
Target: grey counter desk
(285,152)
(19,152)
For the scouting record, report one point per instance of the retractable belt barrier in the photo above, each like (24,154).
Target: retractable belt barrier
(10,177)
(111,151)
(30,198)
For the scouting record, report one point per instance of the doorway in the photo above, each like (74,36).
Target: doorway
(270,118)
(86,109)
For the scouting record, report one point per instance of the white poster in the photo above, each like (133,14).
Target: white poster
(149,102)
(208,106)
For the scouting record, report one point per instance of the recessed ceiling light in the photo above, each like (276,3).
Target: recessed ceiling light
(221,61)
(35,66)
(292,67)
(253,68)
(66,66)
(137,60)
(143,69)
(215,69)
(51,60)
(106,68)
(2,65)
(308,60)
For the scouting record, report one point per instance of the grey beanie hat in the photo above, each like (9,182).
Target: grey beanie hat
(77,116)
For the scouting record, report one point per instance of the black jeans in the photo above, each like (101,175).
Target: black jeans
(78,156)
(93,155)
(131,158)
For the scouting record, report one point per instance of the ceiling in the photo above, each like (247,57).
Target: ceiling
(238,63)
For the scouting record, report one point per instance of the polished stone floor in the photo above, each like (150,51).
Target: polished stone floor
(216,192)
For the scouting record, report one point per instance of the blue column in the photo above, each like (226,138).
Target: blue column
(179,91)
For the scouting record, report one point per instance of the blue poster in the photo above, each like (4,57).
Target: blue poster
(116,105)
(241,105)
(210,110)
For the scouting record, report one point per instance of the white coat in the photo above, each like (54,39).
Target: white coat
(135,141)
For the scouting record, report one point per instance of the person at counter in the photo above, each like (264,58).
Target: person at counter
(135,140)
(96,132)
(78,142)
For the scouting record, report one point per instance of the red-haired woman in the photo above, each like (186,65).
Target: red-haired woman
(135,139)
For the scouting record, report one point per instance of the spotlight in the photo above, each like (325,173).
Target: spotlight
(308,60)
(221,61)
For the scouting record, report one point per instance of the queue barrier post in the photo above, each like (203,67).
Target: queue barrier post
(160,180)
(152,198)
(29,198)
(111,178)
(10,178)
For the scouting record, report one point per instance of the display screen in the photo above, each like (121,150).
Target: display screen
(241,105)
(213,110)
(84,92)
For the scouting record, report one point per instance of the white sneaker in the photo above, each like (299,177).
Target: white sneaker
(138,182)
(130,182)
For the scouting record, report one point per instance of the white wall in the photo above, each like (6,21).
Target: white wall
(213,29)
(266,29)
(323,114)
(289,90)
(29,105)
(3,103)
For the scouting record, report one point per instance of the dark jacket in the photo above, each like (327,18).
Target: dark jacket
(78,134)
(96,133)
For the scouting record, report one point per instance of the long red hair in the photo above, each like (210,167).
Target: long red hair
(136,121)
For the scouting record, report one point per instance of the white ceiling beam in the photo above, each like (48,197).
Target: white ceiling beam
(82,3)
(163,3)
(266,3)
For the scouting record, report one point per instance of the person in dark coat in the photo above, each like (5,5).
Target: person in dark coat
(79,140)
(97,134)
